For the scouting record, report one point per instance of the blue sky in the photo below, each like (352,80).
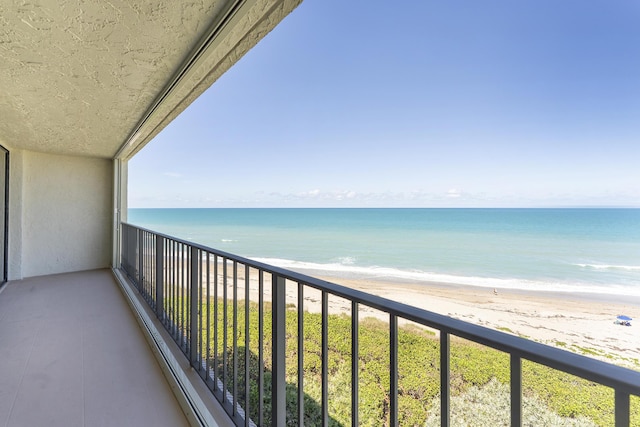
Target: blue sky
(415,104)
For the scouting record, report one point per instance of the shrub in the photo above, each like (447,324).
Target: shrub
(479,376)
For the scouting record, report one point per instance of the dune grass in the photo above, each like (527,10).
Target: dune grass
(479,377)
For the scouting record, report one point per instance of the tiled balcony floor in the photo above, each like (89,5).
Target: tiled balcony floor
(72,354)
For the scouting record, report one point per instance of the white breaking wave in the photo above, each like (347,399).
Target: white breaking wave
(376,272)
(347,260)
(610,267)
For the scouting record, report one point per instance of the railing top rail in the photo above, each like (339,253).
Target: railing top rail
(620,378)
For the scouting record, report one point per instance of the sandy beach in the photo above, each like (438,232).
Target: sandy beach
(581,323)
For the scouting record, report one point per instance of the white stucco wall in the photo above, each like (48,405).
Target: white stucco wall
(66,213)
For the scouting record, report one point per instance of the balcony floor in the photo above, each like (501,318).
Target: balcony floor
(72,354)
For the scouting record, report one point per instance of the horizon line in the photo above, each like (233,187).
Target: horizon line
(394,207)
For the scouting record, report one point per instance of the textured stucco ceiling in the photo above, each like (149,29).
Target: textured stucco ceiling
(78,77)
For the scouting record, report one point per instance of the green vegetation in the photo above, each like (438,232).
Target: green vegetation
(492,401)
(479,376)
(630,362)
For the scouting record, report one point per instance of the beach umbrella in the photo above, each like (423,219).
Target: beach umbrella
(623,317)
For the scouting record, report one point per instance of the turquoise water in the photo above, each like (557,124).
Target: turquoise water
(567,250)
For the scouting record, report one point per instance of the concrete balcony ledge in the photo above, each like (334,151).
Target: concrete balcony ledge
(72,354)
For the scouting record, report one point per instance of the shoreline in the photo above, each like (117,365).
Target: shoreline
(633,300)
(551,295)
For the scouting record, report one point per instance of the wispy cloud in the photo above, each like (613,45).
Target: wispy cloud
(454,193)
(453,197)
(173,174)
(349,198)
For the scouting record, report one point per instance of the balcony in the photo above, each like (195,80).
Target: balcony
(73,353)
(200,297)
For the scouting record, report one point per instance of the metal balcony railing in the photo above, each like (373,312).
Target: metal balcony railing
(202,297)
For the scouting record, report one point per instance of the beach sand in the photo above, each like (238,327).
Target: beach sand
(581,323)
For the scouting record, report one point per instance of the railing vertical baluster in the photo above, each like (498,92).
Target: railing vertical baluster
(178,300)
(171,321)
(325,359)
(278,379)
(623,416)
(207,366)
(126,234)
(145,260)
(149,260)
(151,254)
(355,363)
(127,251)
(200,329)
(145,267)
(139,274)
(143,275)
(175,290)
(134,256)
(141,262)
(393,370)
(153,268)
(445,378)
(131,252)
(187,300)
(169,284)
(148,266)
(188,290)
(261,348)
(516,391)
(123,250)
(300,353)
(160,277)
(215,321)
(235,338)
(166,293)
(224,330)
(194,309)
(181,311)
(247,354)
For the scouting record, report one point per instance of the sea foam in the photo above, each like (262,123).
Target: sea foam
(350,271)
(610,267)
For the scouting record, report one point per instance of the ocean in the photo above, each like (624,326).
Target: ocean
(595,251)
